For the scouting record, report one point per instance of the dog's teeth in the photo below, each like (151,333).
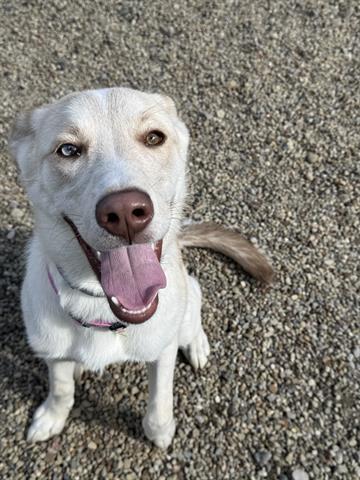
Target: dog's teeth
(115,300)
(98,254)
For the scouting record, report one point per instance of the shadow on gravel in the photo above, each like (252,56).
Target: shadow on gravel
(20,370)
(124,420)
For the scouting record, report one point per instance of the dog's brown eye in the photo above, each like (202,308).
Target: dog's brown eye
(154,138)
(68,150)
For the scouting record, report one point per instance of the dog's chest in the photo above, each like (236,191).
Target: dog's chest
(53,334)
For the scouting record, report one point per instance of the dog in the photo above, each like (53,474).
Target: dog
(105,171)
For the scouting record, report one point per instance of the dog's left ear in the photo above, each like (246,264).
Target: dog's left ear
(170,104)
(167,102)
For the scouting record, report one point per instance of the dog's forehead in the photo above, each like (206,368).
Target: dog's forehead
(112,104)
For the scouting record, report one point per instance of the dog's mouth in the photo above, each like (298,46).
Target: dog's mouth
(131,277)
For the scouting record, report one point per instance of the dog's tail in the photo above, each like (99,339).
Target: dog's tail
(229,243)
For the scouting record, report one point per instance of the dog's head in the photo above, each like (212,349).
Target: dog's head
(110,163)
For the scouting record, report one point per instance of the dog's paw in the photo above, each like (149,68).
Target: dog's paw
(46,423)
(161,435)
(198,350)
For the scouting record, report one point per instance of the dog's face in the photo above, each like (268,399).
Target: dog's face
(76,151)
(93,154)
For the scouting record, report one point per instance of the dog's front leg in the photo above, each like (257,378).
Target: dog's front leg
(159,424)
(50,417)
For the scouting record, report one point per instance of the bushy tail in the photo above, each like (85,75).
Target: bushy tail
(231,244)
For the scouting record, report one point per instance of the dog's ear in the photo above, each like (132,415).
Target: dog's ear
(21,129)
(170,104)
(21,136)
(166,102)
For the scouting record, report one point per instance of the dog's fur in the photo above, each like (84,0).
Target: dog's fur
(110,124)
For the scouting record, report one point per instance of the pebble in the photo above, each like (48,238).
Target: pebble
(92,445)
(312,157)
(11,234)
(232,84)
(131,476)
(262,457)
(17,214)
(353,442)
(273,388)
(299,475)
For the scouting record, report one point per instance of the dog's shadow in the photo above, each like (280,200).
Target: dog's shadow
(21,370)
(116,414)
(25,375)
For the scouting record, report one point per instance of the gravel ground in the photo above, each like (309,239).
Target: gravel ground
(270,92)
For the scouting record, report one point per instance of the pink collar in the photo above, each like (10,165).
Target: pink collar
(99,324)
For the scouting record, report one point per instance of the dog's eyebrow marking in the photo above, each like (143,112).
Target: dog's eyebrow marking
(72,130)
(70,134)
(148,113)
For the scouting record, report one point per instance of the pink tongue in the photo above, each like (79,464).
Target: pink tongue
(132,274)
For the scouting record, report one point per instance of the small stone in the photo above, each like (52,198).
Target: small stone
(262,457)
(310,176)
(217,399)
(312,157)
(357,352)
(168,30)
(339,458)
(289,458)
(352,442)
(92,445)
(11,234)
(16,213)
(273,388)
(290,144)
(200,419)
(131,476)
(232,84)
(299,474)
(220,114)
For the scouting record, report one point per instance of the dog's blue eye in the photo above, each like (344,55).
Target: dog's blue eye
(68,150)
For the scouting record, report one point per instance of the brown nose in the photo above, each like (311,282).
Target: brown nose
(125,213)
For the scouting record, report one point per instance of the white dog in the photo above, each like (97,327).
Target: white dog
(105,171)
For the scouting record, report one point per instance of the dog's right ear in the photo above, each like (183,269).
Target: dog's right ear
(21,135)
(21,139)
